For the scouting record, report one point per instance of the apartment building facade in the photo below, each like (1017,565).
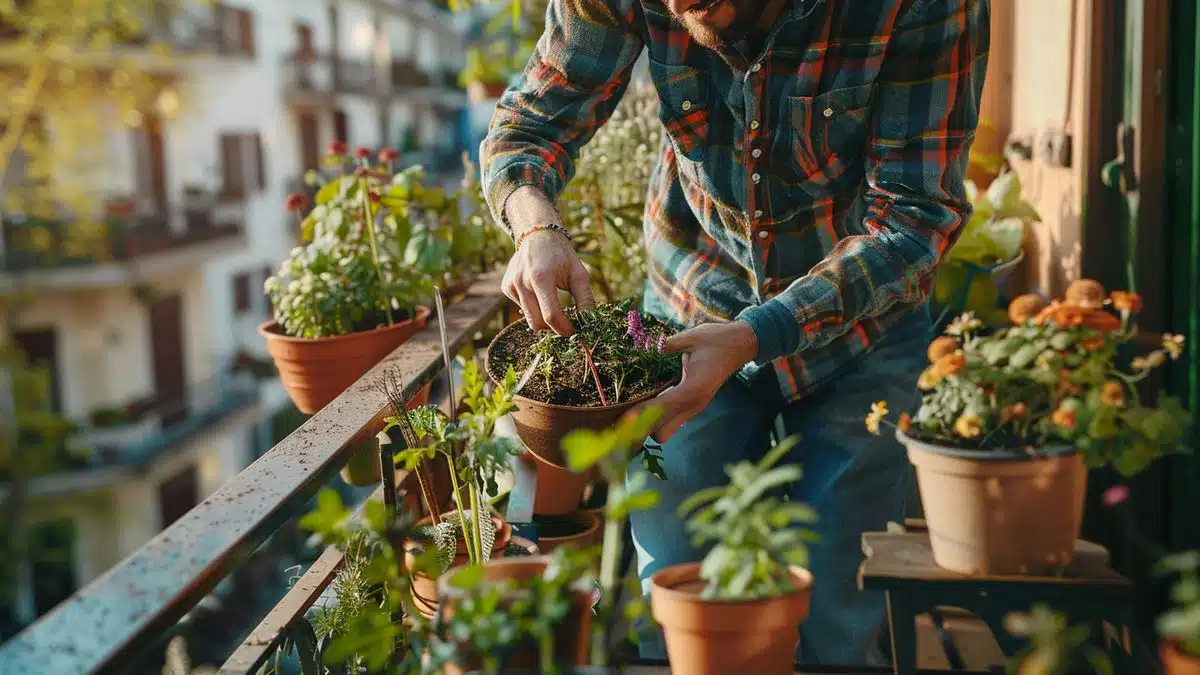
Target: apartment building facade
(152,350)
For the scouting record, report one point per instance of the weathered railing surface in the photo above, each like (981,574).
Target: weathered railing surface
(104,627)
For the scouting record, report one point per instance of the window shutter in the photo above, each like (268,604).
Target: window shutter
(241,293)
(259,161)
(232,167)
(245,20)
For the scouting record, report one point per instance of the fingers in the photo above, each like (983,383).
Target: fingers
(681,342)
(580,286)
(546,292)
(529,305)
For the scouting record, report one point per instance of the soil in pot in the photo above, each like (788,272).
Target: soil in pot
(314,371)
(571,638)
(1176,662)
(718,637)
(580,529)
(996,512)
(424,588)
(565,396)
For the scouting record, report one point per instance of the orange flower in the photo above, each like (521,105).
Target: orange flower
(1086,293)
(1092,343)
(1066,385)
(941,347)
(1024,308)
(1047,311)
(950,364)
(1014,412)
(1074,316)
(1126,302)
(904,423)
(968,426)
(1113,394)
(1064,418)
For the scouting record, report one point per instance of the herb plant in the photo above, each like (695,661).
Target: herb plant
(610,452)
(1051,379)
(1055,648)
(754,533)
(615,355)
(1181,623)
(473,454)
(351,274)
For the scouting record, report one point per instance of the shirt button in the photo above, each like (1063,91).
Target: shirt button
(758,213)
(828,112)
(754,124)
(755,178)
(687,105)
(763,234)
(756,153)
(756,67)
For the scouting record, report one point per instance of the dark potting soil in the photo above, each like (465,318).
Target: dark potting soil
(571,381)
(553,526)
(515,550)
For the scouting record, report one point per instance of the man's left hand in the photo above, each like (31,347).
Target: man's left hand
(712,353)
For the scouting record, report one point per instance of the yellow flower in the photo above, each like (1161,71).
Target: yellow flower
(1085,293)
(879,411)
(929,379)
(968,426)
(1173,345)
(1113,394)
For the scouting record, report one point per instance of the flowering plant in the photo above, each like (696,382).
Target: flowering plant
(1050,379)
(351,274)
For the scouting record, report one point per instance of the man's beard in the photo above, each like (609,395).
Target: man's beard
(719,29)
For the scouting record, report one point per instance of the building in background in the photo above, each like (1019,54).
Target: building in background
(152,348)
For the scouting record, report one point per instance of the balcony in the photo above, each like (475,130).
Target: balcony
(313,79)
(42,252)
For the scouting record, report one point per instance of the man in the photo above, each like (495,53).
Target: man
(812,180)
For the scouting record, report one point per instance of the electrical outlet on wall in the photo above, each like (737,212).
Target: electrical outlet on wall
(1056,147)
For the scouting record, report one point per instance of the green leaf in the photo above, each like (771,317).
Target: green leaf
(328,192)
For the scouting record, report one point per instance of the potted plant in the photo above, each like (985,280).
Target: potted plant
(740,608)
(474,454)
(1180,625)
(612,362)
(345,299)
(1055,647)
(1011,420)
(488,70)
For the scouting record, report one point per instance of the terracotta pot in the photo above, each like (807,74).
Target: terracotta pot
(571,639)
(583,527)
(1000,512)
(315,371)
(1175,662)
(558,490)
(425,589)
(718,637)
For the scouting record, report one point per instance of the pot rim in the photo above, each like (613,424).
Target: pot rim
(447,590)
(487,366)
(1175,647)
(502,527)
(593,525)
(802,575)
(420,313)
(1002,455)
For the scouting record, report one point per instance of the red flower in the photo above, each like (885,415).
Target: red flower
(362,153)
(1115,495)
(373,196)
(337,148)
(389,155)
(296,202)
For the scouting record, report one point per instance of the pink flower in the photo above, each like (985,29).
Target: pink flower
(1115,495)
(362,153)
(388,155)
(662,342)
(635,323)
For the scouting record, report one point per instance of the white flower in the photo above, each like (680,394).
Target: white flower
(1173,345)
(964,324)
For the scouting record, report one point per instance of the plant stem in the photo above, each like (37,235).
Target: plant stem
(587,357)
(546,645)
(462,513)
(365,190)
(610,558)
(477,517)
(435,510)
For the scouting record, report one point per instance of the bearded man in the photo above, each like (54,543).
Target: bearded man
(812,179)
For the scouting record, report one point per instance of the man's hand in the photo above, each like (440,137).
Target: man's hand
(712,353)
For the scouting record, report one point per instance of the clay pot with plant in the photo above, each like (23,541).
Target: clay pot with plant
(1179,626)
(347,297)
(611,363)
(473,454)
(1011,420)
(741,608)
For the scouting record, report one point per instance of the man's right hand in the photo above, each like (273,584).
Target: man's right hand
(545,263)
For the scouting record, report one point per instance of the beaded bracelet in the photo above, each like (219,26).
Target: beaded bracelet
(539,228)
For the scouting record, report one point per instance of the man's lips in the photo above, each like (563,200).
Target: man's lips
(705,7)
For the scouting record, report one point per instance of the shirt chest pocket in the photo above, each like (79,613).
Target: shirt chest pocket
(684,110)
(828,132)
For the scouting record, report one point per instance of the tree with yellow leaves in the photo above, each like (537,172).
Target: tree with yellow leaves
(67,69)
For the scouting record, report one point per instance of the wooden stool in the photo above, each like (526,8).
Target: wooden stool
(901,565)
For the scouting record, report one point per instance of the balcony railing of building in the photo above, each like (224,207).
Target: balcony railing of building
(39,244)
(214,28)
(317,76)
(126,614)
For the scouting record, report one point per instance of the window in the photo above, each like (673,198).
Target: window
(305,45)
(177,495)
(241,293)
(242,165)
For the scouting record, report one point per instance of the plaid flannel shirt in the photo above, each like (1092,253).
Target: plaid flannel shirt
(809,190)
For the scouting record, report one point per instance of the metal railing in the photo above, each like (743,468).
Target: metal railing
(113,621)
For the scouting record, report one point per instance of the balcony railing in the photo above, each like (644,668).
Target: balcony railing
(214,28)
(168,423)
(119,618)
(35,244)
(313,77)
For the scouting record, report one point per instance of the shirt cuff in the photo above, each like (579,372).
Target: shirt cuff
(506,182)
(777,330)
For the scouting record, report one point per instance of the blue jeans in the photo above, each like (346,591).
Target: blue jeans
(857,483)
